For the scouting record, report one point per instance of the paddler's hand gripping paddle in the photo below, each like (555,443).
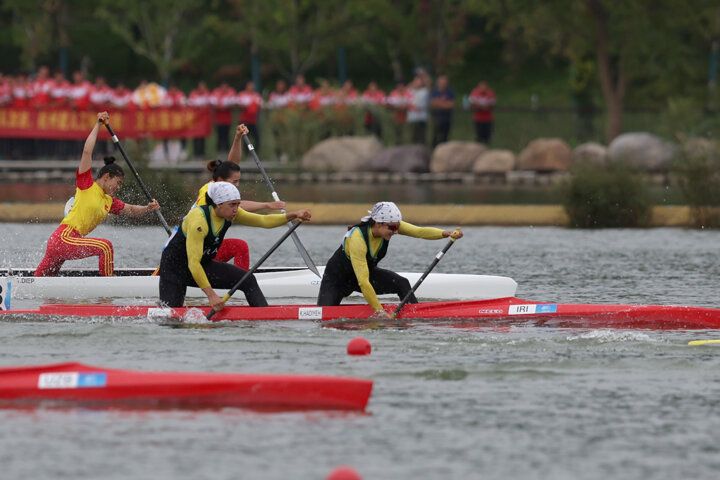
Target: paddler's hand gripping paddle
(256,266)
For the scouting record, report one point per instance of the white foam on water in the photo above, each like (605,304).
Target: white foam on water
(194,315)
(607,336)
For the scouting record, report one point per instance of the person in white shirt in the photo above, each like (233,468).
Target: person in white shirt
(418,113)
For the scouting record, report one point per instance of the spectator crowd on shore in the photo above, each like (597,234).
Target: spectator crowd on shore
(408,110)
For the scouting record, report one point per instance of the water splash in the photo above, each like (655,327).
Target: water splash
(194,315)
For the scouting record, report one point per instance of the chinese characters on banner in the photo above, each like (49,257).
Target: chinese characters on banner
(69,124)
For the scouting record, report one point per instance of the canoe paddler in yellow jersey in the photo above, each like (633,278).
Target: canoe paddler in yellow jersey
(229,171)
(189,257)
(93,202)
(353,266)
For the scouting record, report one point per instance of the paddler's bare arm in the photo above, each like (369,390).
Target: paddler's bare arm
(216,302)
(235,154)
(86,159)
(138,210)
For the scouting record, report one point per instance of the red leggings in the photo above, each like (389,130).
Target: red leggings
(234,247)
(67,244)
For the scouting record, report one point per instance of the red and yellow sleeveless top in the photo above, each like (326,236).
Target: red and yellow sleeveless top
(91,205)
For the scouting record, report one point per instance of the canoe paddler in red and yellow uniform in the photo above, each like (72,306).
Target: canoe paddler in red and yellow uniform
(93,202)
(229,171)
(353,266)
(189,256)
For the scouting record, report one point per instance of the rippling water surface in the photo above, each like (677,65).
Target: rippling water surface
(519,402)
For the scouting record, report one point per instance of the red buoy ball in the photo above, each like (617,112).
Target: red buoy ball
(359,346)
(343,473)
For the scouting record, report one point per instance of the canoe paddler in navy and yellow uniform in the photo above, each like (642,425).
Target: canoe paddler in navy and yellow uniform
(229,171)
(353,266)
(92,202)
(189,256)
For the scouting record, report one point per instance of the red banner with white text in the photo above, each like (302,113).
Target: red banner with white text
(69,124)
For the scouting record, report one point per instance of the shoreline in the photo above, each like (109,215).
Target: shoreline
(420,214)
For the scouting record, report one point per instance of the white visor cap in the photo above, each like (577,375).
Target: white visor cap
(221,192)
(384,212)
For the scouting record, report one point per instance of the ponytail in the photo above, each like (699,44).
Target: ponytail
(111,168)
(222,170)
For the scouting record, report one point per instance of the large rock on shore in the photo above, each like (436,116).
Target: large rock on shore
(642,151)
(545,155)
(403,158)
(456,156)
(342,154)
(590,153)
(495,161)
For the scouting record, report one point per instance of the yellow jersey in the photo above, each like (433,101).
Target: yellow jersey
(91,205)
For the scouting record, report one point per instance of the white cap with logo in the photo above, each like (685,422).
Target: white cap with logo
(221,192)
(384,212)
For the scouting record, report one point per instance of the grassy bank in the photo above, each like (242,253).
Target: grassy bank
(350,213)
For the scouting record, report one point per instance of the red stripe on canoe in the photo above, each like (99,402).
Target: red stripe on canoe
(76,383)
(484,312)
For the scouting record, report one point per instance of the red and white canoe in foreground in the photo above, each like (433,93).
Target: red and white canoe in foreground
(509,310)
(72,384)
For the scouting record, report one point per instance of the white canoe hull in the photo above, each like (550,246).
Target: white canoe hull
(300,283)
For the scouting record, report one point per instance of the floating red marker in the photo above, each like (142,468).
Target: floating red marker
(343,472)
(359,346)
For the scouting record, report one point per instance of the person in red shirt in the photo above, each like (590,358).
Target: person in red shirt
(280,97)
(100,94)
(93,201)
(399,101)
(374,99)
(277,104)
(20,91)
(300,93)
(199,98)
(322,102)
(324,96)
(223,100)
(40,88)
(349,94)
(80,92)
(60,90)
(175,97)
(121,98)
(250,103)
(346,97)
(482,101)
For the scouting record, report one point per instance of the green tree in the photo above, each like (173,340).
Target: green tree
(635,43)
(164,33)
(295,35)
(430,33)
(37,27)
